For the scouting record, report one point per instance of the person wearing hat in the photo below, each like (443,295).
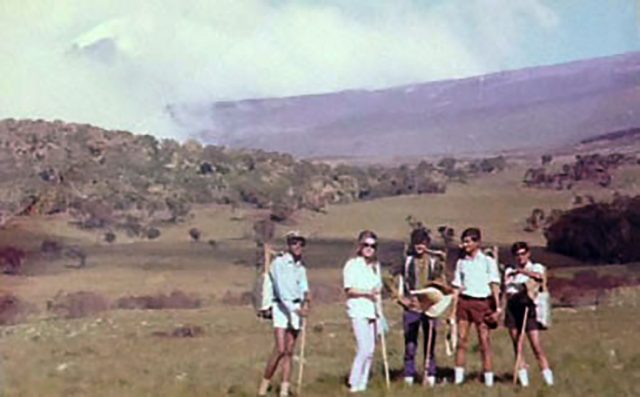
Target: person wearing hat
(476,284)
(522,285)
(291,303)
(420,270)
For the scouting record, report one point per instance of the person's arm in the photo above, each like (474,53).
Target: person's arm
(306,300)
(350,283)
(494,282)
(495,291)
(456,284)
(454,303)
(539,277)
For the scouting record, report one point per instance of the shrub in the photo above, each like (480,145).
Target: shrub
(110,237)
(195,234)
(153,233)
(599,232)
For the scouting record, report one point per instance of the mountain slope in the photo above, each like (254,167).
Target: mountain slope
(543,107)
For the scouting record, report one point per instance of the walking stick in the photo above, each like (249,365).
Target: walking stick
(383,342)
(303,336)
(519,346)
(427,359)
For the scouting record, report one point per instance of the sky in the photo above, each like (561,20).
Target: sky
(118,64)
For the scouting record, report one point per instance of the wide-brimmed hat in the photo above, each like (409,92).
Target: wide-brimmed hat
(433,301)
(294,235)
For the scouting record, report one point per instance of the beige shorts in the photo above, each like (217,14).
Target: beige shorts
(283,318)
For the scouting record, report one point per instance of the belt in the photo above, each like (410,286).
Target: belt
(473,298)
(297,300)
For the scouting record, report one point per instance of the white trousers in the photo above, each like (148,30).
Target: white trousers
(365,333)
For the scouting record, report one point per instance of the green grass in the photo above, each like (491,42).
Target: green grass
(116,354)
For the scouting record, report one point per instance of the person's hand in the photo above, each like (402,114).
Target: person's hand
(501,317)
(404,302)
(496,315)
(303,311)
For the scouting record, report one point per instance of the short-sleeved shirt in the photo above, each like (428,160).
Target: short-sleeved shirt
(289,278)
(514,282)
(359,275)
(473,275)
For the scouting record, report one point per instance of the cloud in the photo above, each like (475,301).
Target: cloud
(118,64)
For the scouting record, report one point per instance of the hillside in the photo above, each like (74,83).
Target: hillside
(116,178)
(545,107)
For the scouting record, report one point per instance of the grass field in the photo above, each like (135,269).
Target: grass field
(123,353)
(116,353)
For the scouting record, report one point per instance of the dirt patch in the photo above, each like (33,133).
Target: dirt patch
(13,310)
(77,304)
(11,260)
(237,298)
(175,300)
(586,287)
(326,293)
(184,331)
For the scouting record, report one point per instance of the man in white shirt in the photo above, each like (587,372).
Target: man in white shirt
(476,284)
(291,303)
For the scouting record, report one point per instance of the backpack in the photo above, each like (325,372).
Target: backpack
(263,288)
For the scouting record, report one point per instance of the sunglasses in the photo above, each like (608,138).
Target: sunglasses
(369,245)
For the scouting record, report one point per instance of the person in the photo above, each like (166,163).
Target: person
(363,284)
(291,304)
(522,283)
(420,270)
(476,284)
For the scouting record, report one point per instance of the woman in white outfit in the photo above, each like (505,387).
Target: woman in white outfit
(362,284)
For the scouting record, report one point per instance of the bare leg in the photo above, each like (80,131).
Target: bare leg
(277,354)
(485,347)
(290,342)
(513,332)
(463,342)
(536,346)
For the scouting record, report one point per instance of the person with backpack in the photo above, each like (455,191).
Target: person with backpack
(476,284)
(288,276)
(420,270)
(524,284)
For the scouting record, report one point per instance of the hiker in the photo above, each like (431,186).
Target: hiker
(476,284)
(363,285)
(522,286)
(291,304)
(420,270)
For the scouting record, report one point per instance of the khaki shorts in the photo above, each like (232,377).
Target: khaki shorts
(283,318)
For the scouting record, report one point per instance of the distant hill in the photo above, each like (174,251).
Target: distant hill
(105,178)
(543,107)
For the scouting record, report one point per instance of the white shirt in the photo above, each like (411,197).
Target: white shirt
(513,282)
(289,278)
(473,275)
(359,275)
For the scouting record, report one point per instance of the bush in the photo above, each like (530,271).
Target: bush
(195,234)
(110,237)
(599,232)
(153,233)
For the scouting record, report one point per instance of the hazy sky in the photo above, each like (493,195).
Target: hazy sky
(117,64)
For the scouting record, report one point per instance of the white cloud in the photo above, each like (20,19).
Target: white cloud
(117,64)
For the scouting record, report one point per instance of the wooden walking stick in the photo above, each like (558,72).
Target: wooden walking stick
(301,358)
(427,359)
(383,343)
(519,346)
